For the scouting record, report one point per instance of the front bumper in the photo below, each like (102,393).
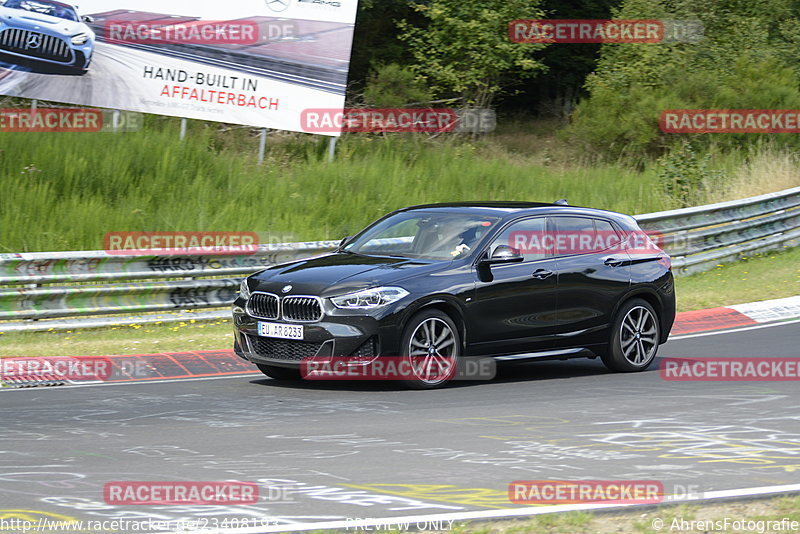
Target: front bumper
(363,337)
(80,56)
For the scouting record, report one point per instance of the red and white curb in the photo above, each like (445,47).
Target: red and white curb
(768,311)
(40,371)
(738,315)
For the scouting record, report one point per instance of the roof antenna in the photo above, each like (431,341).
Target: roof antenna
(562,202)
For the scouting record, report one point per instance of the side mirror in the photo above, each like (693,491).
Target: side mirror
(88,19)
(504,254)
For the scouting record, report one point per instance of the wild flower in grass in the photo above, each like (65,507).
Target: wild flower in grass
(31,170)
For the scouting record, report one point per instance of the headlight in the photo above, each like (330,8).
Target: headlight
(80,39)
(369,298)
(244,290)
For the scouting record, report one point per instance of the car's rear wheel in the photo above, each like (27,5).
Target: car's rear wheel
(634,338)
(431,348)
(279,373)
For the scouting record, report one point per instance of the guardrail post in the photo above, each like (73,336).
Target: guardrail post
(332,149)
(262,145)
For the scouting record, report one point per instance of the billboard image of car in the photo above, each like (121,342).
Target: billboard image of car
(250,62)
(46,31)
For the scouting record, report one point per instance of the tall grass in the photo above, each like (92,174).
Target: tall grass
(65,191)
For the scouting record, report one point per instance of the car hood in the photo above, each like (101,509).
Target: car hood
(26,19)
(340,273)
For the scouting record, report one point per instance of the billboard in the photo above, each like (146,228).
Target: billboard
(252,62)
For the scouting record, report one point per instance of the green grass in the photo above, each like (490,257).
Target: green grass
(124,339)
(760,277)
(643,520)
(65,191)
(568,522)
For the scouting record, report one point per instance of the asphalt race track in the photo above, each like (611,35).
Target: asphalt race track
(332,451)
(103,84)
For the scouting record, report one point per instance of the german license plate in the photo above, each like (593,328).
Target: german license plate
(279,330)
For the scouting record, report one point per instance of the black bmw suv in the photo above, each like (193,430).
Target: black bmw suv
(443,282)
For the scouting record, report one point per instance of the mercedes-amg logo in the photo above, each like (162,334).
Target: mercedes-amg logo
(278,5)
(33,42)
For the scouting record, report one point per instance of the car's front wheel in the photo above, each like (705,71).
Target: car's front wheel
(279,373)
(431,348)
(634,338)
(80,66)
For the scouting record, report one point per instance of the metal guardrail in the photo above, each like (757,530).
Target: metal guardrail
(64,290)
(700,238)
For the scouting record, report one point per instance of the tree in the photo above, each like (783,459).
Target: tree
(393,86)
(464,50)
(747,59)
(556,91)
(375,41)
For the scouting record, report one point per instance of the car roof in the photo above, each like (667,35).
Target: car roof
(60,3)
(511,209)
(492,204)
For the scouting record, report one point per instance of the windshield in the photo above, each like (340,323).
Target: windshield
(44,8)
(423,234)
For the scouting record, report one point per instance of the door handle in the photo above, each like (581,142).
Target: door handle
(541,274)
(613,262)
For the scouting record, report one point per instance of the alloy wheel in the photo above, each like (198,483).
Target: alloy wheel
(638,336)
(433,350)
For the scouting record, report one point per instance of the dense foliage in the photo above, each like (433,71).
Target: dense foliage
(748,58)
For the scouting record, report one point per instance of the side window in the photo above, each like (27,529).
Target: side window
(577,235)
(528,236)
(607,235)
